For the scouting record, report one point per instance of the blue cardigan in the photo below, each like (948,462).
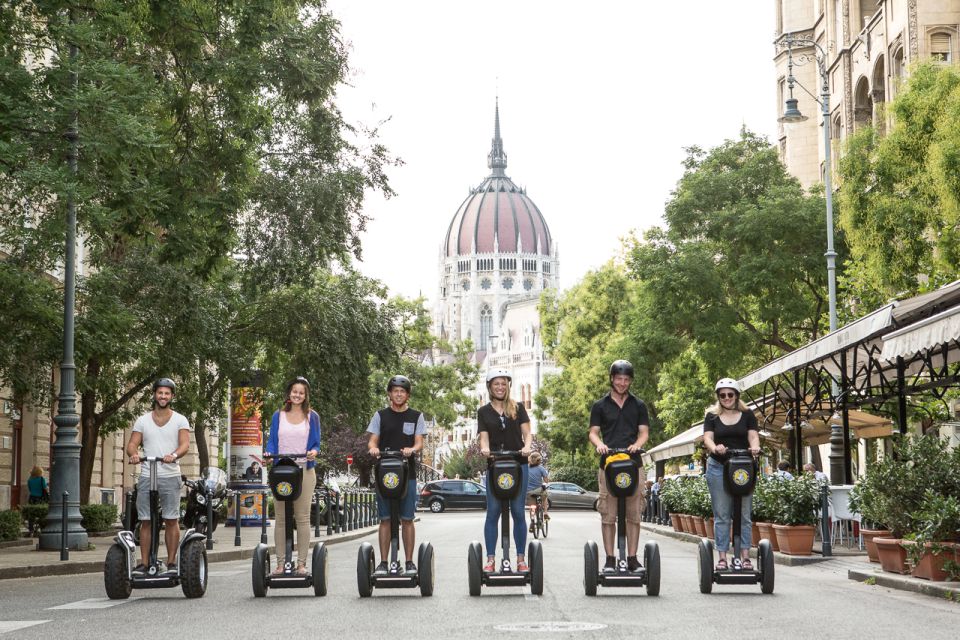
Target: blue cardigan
(313,437)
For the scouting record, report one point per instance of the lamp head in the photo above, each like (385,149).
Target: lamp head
(792,114)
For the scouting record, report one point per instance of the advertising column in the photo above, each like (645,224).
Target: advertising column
(246,453)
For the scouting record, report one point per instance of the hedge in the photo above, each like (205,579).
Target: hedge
(34,515)
(586,477)
(10,525)
(98,517)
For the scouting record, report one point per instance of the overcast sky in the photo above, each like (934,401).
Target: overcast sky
(597,102)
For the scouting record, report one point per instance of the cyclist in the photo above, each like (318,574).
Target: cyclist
(503,423)
(537,486)
(729,424)
(619,420)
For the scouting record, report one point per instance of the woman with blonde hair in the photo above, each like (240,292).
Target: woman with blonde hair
(37,487)
(729,424)
(503,424)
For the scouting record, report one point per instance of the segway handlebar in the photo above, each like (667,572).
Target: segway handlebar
(391,453)
(272,456)
(739,452)
(624,450)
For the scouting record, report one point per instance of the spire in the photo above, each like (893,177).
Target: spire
(497,159)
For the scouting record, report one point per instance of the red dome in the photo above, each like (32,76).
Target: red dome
(497,215)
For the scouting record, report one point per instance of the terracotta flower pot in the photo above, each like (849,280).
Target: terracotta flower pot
(893,557)
(698,527)
(675,522)
(754,534)
(930,566)
(765,532)
(687,523)
(708,525)
(868,536)
(795,540)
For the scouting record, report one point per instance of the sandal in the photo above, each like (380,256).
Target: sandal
(722,565)
(747,565)
(301,569)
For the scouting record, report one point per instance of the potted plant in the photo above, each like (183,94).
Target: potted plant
(797,515)
(672,498)
(866,499)
(764,506)
(933,550)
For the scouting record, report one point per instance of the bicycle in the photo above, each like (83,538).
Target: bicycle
(539,525)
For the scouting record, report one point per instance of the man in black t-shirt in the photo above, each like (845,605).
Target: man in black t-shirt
(619,420)
(398,428)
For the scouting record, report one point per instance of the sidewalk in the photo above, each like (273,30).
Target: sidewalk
(24,561)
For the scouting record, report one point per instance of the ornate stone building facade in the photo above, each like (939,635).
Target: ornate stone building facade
(496,258)
(870,45)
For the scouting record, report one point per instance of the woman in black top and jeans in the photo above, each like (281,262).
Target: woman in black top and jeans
(729,424)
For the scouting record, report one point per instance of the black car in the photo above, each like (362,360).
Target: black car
(455,494)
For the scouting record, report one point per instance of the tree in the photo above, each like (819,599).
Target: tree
(900,192)
(207,131)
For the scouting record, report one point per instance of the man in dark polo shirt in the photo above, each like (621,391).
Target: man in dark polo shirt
(619,420)
(398,428)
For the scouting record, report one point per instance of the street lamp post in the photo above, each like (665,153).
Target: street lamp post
(65,469)
(792,114)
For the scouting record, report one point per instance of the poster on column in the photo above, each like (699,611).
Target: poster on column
(246,452)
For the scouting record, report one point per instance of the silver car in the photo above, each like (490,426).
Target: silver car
(566,495)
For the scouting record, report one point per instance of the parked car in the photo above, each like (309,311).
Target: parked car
(438,495)
(566,495)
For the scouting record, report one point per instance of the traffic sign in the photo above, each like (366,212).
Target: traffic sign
(349,459)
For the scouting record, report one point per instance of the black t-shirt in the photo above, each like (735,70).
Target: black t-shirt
(398,430)
(732,436)
(502,430)
(619,426)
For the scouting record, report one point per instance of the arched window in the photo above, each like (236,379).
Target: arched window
(862,105)
(941,46)
(486,326)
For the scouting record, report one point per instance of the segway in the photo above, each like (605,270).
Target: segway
(505,479)
(739,478)
(191,573)
(623,479)
(391,478)
(286,480)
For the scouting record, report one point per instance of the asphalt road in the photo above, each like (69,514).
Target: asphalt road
(811,601)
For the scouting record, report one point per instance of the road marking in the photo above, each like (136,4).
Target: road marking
(551,627)
(223,574)
(6,626)
(530,596)
(92,603)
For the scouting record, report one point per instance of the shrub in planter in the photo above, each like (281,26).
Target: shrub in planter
(700,503)
(765,499)
(34,515)
(98,517)
(796,514)
(930,550)
(671,495)
(10,524)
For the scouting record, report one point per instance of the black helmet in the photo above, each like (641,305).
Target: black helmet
(298,380)
(165,382)
(621,367)
(399,381)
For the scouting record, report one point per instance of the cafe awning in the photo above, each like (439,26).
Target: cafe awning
(937,330)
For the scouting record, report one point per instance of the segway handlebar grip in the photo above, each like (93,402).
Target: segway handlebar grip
(624,450)
(268,456)
(391,453)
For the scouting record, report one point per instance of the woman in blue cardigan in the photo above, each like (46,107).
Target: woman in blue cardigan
(295,429)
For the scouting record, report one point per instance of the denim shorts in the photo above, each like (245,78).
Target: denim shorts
(408,503)
(169,490)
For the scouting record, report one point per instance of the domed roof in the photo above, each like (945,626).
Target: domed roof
(497,216)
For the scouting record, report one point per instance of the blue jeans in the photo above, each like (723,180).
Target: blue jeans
(723,511)
(491,528)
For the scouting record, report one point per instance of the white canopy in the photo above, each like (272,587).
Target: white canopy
(934,331)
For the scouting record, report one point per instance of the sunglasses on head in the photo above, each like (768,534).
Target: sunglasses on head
(726,395)
(503,423)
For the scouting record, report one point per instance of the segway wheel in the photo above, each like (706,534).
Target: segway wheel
(318,567)
(261,569)
(116,580)
(651,561)
(365,570)
(474,568)
(705,565)
(425,555)
(591,568)
(765,560)
(193,569)
(535,558)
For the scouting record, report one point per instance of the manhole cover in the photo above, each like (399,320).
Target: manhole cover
(550,627)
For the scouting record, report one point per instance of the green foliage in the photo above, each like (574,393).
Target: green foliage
(466,463)
(899,192)
(766,499)
(98,517)
(798,500)
(10,524)
(671,495)
(586,477)
(34,515)
(699,497)
(900,491)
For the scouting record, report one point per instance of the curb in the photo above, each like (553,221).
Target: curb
(96,566)
(778,558)
(946,590)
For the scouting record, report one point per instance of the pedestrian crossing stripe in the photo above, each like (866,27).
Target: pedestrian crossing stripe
(91,603)
(6,626)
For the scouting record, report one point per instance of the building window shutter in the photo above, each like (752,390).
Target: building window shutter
(940,46)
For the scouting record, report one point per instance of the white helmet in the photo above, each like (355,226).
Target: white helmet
(498,373)
(727,383)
